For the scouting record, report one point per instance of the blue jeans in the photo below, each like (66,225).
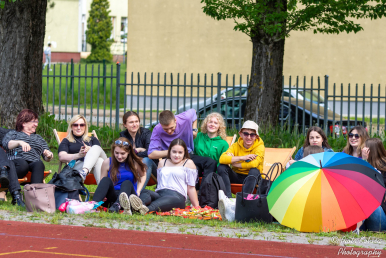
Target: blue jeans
(376,221)
(151,169)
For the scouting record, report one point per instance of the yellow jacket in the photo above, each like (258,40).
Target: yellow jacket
(238,149)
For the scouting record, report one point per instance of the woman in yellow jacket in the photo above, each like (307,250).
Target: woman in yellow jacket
(246,156)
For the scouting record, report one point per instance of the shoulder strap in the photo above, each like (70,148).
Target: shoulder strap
(185,162)
(165,162)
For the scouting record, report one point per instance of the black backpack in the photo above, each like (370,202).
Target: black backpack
(209,190)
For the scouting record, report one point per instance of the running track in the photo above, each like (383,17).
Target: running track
(22,239)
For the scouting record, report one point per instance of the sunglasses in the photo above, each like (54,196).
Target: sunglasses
(249,134)
(76,125)
(119,142)
(351,135)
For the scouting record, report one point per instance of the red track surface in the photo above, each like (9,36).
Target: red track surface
(21,239)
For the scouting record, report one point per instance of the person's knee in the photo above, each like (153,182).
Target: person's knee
(37,166)
(222,169)
(127,183)
(106,181)
(254,171)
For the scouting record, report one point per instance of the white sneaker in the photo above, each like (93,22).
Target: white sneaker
(137,205)
(227,210)
(221,194)
(125,203)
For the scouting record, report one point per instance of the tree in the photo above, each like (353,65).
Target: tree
(99,27)
(269,22)
(22,30)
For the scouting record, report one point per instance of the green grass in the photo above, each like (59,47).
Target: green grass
(62,81)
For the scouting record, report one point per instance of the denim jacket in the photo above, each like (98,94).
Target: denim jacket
(299,154)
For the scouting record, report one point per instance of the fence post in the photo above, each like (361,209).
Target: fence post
(326,104)
(117,96)
(218,100)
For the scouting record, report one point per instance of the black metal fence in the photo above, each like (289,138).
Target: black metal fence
(103,93)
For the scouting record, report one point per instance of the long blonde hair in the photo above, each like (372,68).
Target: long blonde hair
(363,135)
(70,136)
(221,130)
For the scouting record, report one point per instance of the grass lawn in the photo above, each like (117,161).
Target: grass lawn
(84,89)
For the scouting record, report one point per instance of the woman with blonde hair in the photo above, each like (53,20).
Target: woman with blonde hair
(84,149)
(210,142)
(357,137)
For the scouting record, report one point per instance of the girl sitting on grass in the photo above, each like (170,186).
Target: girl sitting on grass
(177,177)
(123,174)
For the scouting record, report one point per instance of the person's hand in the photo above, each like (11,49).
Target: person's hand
(291,161)
(140,149)
(249,157)
(24,146)
(86,147)
(138,193)
(365,153)
(48,154)
(82,152)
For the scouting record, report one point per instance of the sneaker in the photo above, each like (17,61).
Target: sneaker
(125,203)
(227,210)
(4,181)
(137,204)
(356,231)
(115,208)
(83,174)
(221,194)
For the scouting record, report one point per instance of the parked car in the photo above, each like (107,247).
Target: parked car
(233,109)
(243,90)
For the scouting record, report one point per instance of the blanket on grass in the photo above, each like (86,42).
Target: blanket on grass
(206,213)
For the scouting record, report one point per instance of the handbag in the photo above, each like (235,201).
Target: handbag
(255,207)
(264,182)
(39,197)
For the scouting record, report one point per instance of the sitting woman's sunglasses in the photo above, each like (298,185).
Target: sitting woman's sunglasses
(119,142)
(351,135)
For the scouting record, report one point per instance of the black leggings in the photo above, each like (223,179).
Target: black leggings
(36,167)
(167,200)
(106,189)
(229,176)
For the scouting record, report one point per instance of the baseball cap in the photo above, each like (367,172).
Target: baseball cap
(250,125)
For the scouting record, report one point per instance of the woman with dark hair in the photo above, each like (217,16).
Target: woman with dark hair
(357,137)
(139,138)
(315,137)
(177,176)
(122,174)
(374,152)
(24,147)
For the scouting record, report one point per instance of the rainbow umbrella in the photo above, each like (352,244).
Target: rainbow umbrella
(325,192)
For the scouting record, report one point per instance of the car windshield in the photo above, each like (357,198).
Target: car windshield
(235,92)
(314,97)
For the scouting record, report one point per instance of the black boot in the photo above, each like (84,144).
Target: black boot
(16,199)
(4,181)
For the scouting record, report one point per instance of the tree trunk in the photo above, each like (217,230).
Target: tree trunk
(265,88)
(22,30)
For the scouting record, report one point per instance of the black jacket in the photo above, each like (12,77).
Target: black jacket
(3,132)
(142,139)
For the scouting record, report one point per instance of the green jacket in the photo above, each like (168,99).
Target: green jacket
(207,147)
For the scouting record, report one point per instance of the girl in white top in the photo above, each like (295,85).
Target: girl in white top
(177,177)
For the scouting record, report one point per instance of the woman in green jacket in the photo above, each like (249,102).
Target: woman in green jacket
(210,142)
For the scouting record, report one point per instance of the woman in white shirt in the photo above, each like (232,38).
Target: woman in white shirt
(177,177)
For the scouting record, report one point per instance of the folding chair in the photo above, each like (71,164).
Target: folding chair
(90,179)
(271,156)
(231,139)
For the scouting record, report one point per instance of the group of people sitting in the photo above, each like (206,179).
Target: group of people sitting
(174,152)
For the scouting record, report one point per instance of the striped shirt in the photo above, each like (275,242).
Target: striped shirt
(37,143)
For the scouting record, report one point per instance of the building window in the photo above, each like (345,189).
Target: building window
(112,36)
(123,29)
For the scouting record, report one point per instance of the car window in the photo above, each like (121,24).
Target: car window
(236,92)
(286,94)
(228,109)
(314,96)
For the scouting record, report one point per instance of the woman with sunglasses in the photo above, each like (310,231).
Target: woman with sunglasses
(374,152)
(315,137)
(139,138)
(84,149)
(122,175)
(177,177)
(357,137)
(24,147)
(210,142)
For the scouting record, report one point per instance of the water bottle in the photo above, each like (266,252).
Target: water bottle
(71,164)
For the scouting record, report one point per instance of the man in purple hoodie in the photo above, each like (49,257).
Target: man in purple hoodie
(183,126)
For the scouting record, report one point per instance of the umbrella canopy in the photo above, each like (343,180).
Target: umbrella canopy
(325,192)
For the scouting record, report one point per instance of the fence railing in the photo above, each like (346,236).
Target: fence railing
(103,93)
